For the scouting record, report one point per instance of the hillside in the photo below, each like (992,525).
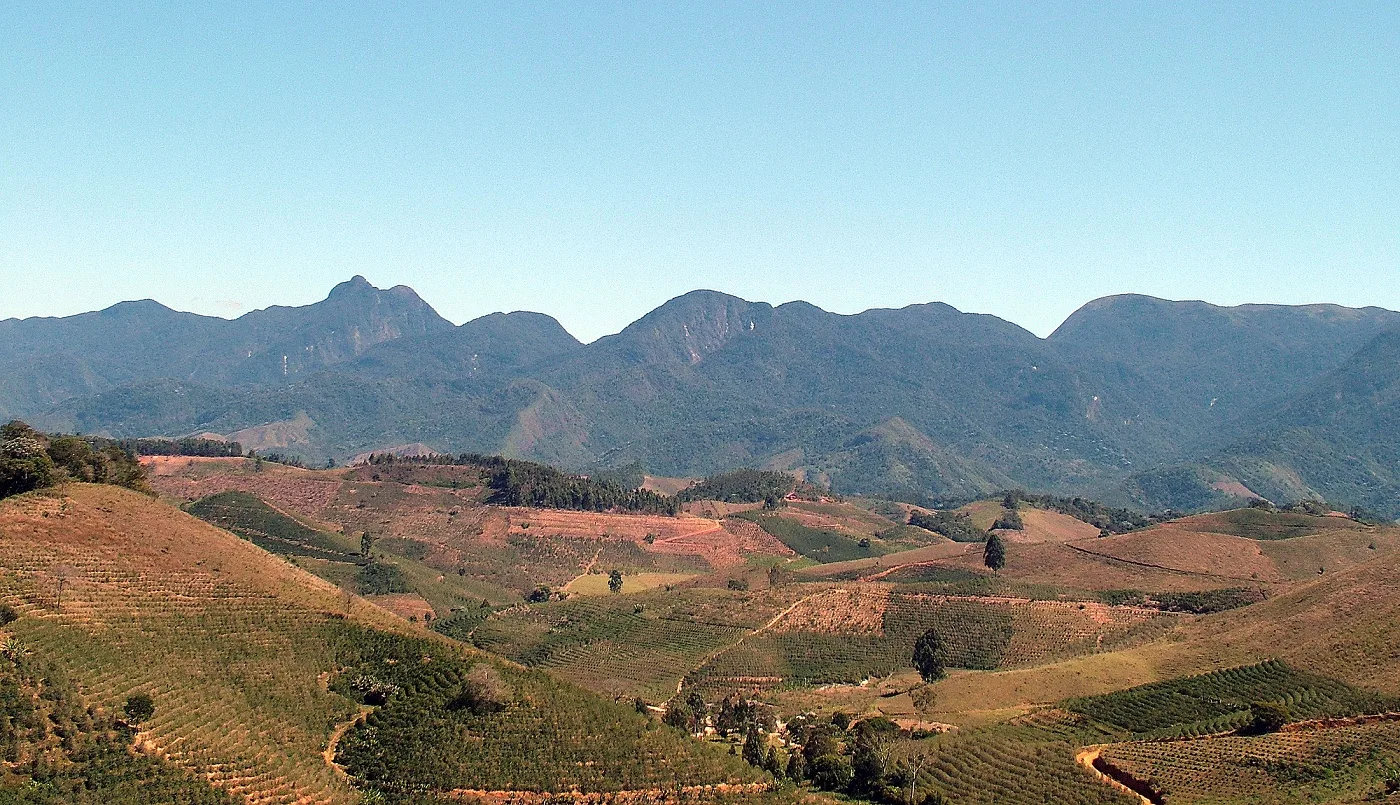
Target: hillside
(252,662)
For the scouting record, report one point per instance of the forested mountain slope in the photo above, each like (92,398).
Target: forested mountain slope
(923,402)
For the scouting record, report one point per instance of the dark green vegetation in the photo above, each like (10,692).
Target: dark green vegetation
(249,517)
(955,526)
(1222,700)
(1262,524)
(1114,519)
(57,750)
(31,460)
(528,483)
(444,721)
(1131,395)
(741,486)
(1201,602)
(814,543)
(188,446)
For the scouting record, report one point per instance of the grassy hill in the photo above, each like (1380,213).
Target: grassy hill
(252,663)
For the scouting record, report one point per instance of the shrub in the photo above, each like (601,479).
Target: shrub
(483,691)
(139,707)
(832,772)
(8,615)
(1266,717)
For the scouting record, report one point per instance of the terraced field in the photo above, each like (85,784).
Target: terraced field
(850,634)
(1027,762)
(1326,762)
(626,646)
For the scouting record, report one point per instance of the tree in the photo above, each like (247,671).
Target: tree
(679,715)
(870,754)
(753,748)
(615,581)
(928,656)
(916,758)
(796,770)
(24,462)
(366,544)
(1011,502)
(1010,520)
(994,555)
(819,741)
(1266,717)
(772,764)
(139,707)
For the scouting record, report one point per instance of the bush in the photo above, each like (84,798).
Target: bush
(8,615)
(832,772)
(483,691)
(139,707)
(1266,717)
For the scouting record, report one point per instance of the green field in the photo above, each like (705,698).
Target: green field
(1220,701)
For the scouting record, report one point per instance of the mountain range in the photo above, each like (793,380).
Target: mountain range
(1137,400)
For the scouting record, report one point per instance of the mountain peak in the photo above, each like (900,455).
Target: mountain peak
(355,286)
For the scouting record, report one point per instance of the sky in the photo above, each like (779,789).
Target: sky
(592,160)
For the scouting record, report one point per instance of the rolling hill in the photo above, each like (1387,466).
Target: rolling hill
(262,674)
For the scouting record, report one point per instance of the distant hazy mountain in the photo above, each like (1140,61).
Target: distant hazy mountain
(1338,439)
(1190,372)
(1168,403)
(46,361)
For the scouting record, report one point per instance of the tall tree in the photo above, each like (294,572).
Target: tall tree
(928,656)
(994,555)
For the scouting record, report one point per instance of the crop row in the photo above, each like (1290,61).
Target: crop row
(1279,766)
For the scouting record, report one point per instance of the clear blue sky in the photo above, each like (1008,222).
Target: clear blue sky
(592,160)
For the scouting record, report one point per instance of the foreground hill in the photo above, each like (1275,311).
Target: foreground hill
(256,668)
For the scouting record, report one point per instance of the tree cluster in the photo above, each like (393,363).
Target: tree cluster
(956,526)
(32,460)
(741,486)
(189,446)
